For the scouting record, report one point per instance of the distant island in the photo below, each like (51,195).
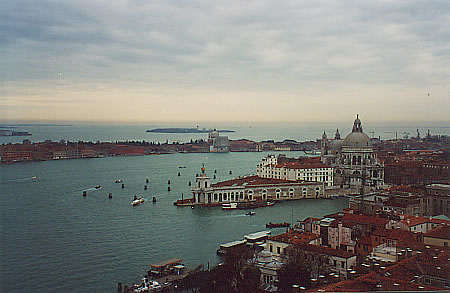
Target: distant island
(185,130)
(7,132)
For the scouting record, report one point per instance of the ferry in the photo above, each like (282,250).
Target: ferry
(229,206)
(225,248)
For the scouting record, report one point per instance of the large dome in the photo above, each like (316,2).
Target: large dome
(357,138)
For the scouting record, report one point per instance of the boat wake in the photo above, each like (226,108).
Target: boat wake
(22,179)
(91,188)
(227,217)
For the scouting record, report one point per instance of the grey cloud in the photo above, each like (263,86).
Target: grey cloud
(229,43)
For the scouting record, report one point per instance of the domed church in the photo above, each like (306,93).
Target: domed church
(353,158)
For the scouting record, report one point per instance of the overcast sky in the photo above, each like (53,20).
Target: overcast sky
(224,61)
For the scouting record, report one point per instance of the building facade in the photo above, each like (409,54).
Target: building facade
(218,143)
(270,167)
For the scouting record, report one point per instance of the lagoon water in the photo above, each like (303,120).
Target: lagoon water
(55,240)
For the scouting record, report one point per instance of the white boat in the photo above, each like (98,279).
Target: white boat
(138,201)
(118,181)
(229,206)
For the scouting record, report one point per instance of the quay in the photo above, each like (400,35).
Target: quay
(163,276)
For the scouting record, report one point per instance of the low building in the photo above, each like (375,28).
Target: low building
(438,237)
(251,189)
(340,261)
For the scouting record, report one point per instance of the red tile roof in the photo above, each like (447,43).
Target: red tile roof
(257,181)
(299,165)
(326,250)
(364,219)
(442,232)
(293,237)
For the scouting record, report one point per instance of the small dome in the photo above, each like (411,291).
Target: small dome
(357,139)
(336,144)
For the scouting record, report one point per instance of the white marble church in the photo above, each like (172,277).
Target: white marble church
(353,158)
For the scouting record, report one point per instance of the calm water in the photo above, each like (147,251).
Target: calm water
(256,132)
(54,240)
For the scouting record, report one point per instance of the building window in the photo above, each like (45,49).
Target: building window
(215,196)
(291,192)
(278,250)
(278,193)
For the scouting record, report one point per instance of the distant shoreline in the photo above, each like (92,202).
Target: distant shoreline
(185,130)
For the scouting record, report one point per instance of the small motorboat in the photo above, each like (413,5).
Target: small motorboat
(229,206)
(250,213)
(98,187)
(181,167)
(118,181)
(137,201)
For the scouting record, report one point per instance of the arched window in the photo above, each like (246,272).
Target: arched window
(264,194)
(250,194)
(278,193)
(291,192)
(215,196)
(241,195)
(232,196)
(225,196)
(304,191)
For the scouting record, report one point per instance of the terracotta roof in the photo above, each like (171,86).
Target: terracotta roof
(364,219)
(374,282)
(442,232)
(299,165)
(255,181)
(326,250)
(293,237)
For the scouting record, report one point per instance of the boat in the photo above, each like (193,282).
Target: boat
(138,201)
(254,204)
(250,213)
(118,181)
(181,167)
(98,187)
(226,247)
(229,206)
(271,225)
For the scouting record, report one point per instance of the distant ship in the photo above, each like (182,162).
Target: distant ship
(185,130)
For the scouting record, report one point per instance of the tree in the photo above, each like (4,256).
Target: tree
(233,275)
(300,267)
